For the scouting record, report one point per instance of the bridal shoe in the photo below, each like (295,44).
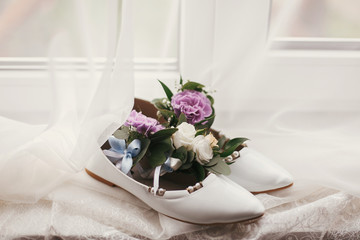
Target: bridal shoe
(250,169)
(212,201)
(257,173)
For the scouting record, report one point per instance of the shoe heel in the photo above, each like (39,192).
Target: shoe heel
(99,178)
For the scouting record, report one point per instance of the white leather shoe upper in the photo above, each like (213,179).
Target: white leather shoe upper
(257,173)
(218,201)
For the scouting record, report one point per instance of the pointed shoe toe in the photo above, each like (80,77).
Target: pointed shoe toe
(243,205)
(219,202)
(253,206)
(259,174)
(212,201)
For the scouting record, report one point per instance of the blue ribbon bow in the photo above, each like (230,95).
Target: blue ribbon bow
(121,156)
(166,167)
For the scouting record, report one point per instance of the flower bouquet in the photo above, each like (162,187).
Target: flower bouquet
(172,138)
(179,140)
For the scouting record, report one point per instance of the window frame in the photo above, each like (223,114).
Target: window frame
(311,43)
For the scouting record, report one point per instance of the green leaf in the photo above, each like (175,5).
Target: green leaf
(157,156)
(221,168)
(216,150)
(211,119)
(145,143)
(206,123)
(193,86)
(134,135)
(180,153)
(181,80)
(159,151)
(232,145)
(162,134)
(215,160)
(230,163)
(158,102)
(199,171)
(200,132)
(122,133)
(186,166)
(182,118)
(221,142)
(211,99)
(190,156)
(167,113)
(201,123)
(168,92)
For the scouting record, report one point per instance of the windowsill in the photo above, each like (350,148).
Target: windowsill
(330,44)
(42,64)
(314,54)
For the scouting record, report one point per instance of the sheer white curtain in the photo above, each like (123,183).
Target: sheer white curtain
(84,105)
(303,114)
(49,127)
(294,115)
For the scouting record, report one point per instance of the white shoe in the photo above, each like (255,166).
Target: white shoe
(257,173)
(252,171)
(214,200)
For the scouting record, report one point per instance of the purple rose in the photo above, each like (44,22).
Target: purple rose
(195,105)
(143,124)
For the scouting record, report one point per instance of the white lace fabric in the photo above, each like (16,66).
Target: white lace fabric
(87,209)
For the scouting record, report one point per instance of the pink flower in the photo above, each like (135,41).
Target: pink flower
(143,124)
(195,105)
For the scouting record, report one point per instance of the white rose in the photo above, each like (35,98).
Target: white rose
(203,150)
(184,136)
(212,140)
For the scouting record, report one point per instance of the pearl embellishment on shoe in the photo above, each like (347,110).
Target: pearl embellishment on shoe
(192,189)
(160,192)
(229,159)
